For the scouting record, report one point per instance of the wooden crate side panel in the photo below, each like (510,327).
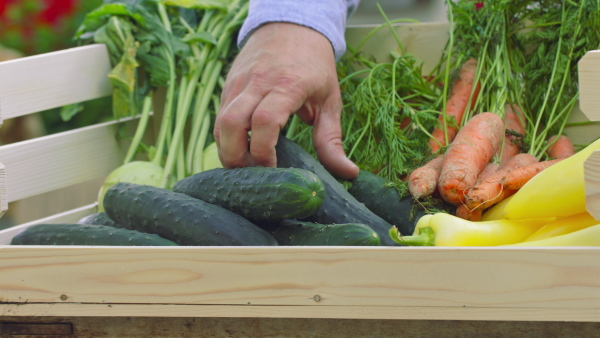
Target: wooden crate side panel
(51,80)
(55,161)
(527,278)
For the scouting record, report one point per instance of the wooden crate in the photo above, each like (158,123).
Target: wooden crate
(416,283)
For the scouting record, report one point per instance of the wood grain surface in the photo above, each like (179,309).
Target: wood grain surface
(36,83)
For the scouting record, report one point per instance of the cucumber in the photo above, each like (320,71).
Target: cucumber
(339,206)
(293,232)
(180,218)
(86,234)
(258,193)
(99,218)
(386,201)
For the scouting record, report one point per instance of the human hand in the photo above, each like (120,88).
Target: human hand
(283,69)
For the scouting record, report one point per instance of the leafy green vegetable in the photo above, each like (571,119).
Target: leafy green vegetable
(176,47)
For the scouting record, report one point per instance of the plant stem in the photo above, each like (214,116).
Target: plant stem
(140,130)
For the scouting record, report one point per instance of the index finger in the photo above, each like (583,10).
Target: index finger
(231,130)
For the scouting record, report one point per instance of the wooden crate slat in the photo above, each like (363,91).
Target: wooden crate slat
(3,194)
(59,160)
(51,80)
(528,278)
(592,184)
(589,86)
(70,216)
(466,313)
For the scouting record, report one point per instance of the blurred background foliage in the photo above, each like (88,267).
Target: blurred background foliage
(31,27)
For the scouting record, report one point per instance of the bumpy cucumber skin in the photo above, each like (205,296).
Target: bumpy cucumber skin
(86,234)
(258,193)
(370,189)
(339,206)
(99,218)
(295,233)
(180,218)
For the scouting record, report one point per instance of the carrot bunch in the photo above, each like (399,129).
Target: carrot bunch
(483,162)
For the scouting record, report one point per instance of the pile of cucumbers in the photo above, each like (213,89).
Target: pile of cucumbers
(297,203)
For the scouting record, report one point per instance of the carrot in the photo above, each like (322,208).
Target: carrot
(559,150)
(472,149)
(517,178)
(490,190)
(456,104)
(422,181)
(514,124)
(464,212)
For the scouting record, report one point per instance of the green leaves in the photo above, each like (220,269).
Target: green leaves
(123,79)
(198,4)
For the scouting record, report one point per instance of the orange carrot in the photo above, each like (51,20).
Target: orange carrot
(490,190)
(474,146)
(422,181)
(515,130)
(456,104)
(559,150)
(464,212)
(562,148)
(517,178)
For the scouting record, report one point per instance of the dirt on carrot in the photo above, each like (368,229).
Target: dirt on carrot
(457,103)
(472,149)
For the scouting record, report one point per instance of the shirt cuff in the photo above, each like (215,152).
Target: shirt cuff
(327,17)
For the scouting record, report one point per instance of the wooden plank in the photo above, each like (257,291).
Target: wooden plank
(3,195)
(50,80)
(591,170)
(425,41)
(55,161)
(156,311)
(557,280)
(70,216)
(589,86)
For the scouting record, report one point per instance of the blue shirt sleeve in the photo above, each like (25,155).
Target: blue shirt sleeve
(327,17)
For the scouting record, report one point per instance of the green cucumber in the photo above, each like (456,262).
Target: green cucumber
(339,206)
(86,234)
(258,193)
(386,201)
(293,232)
(181,218)
(99,218)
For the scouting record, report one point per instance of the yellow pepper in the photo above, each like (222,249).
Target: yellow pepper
(564,225)
(557,191)
(443,229)
(496,211)
(589,236)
